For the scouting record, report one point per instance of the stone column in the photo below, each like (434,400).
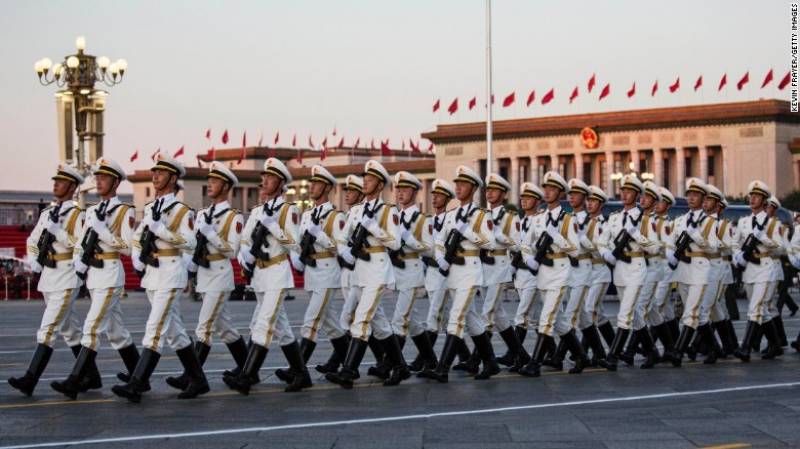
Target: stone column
(702,152)
(554,162)
(533,169)
(609,187)
(635,160)
(578,158)
(680,171)
(725,183)
(514,180)
(658,167)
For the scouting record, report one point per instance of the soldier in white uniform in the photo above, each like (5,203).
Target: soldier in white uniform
(467,230)
(498,272)
(773,205)
(320,231)
(158,243)
(529,307)
(759,237)
(600,276)
(50,249)
(553,240)
(625,244)
(106,236)
(373,230)
(694,239)
(720,318)
(219,231)
(662,309)
(270,233)
(409,270)
(793,253)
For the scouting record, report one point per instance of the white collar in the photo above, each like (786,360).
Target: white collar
(409,210)
(555,212)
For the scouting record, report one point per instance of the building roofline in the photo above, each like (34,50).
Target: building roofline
(283,153)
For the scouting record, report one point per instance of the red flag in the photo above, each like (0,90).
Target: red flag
(260,139)
(606,90)
(492,98)
(436,105)
(277,138)
(178,153)
(300,156)
(242,151)
(430,148)
(654,89)
(675,86)
(472,103)
(294,140)
(212,154)
(548,97)
(745,79)
(632,92)
(325,142)
(341,143)
(509,100)
(324,154)
(722,82)
(225,137)
(414,147)
(698,83)
(574,94)
(453,107)
(334,130)
(310,141)
(591,83)
(784,82)
(355,145)
(153,156)
(767,79)
(372,144)
(208,133)
(135,155)
(385,149)
(531,98)
(199,161)
(403,144)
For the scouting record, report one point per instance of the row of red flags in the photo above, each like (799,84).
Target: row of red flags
(509,99)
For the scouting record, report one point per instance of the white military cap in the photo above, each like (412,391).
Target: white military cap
(219,170)
(630,181)
(696,185)
(107,166)
(354,182)
(68,173)
(321,174)
(651,188)
(495,181)
(553,179)
(666,195)
(406,179)
(596,193)
(531,190)
(443,187)
(376,169)
(774,202)
(466,174)
(276,167)
(760,188)
(578,186)
(170,164)
(714,192)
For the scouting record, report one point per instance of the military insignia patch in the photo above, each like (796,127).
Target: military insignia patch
(490,224)
(396,219)
(238,227)
(191,224)
(131,221)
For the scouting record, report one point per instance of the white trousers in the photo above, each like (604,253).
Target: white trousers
(215,318)
(437,302)
(593,305)
(165,321)
(59,316)
(369,317)
(568,319)
(409,314)
(321,315)
(272,321)
(551,303)
(105,316)
(759,295)
(692,297)
(631,310)
(349,307)
(492,309)
(528,309)
(464,314)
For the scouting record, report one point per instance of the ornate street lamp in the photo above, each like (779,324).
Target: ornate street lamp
(79,102)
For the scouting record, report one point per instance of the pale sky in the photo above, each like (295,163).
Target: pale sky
(369,68)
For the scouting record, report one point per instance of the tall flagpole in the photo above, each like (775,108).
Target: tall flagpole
(489,156)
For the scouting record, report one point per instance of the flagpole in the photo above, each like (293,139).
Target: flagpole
(488,86)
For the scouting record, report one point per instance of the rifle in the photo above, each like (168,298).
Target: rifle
(359,238)
(90,244)
(200,256)
(307,246)
(518,263)
(148,240)
(542,249)
(749,248)
(621,243)
(258,238)
(451,247)
(682,246)
(430,262)
(46,240)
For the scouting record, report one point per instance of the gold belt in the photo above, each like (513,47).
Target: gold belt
(498,252)
(763,255)
(216,257)
(652,256)
(556,255)
(584,257)
(714,255)
(375,249)
(167,252)
(322,255)
(410,255)
(468,253)
(698,254)
(272,261)
(58,257)
(107,256)
(634,253)
(598,261)
(727,258)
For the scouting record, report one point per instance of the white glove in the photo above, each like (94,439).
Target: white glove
(406,235)
(296,263)
(443,265)
(53,227)
(461,227)
(609,257)
(760,235)
(531,262)
(630,228)
(795,261)
(314,230)
(370,225)
(190,265)
(207,229)
(267,220)
(738,259)
(35,267)
(138,265)
(695,235)
(246,258)
(347,255)
(553,231)
(585,242)
(80,267)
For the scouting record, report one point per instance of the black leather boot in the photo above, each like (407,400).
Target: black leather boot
(781,331)
(733,339)
(296,356)
(338,354)
(773,339)
(238,350)
(522,358)
(513,344)
(463,352)
(665,335)
(576,349)
(71,386)
(238,370)
(381,370)
(534,367)
(743,351)
(483,344)
(394,354)
(610,362)
(707,335)
(607,331)
(181,382)
(349,371)
(28,381)
(249,373)
(440,373)
(306,350)
(91,377)
(649,349)
(198,384)
(426,357)
(130,357)
(471,365)
(629,353)
(721,329)
(556,361)
(140,380)
(687,333)
(674,328)
(592,338)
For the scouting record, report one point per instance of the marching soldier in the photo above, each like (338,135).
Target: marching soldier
(50,249)
(166,230)
(219,231)
(106,236)
(320,230)
(599,278)
(270,233)
(773,205)
(415,237)
(759,236)
(553,240)
(467,229)
(720,318)
(695,239)
(624,247)
(525,278)
(497,267)
(373,231)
